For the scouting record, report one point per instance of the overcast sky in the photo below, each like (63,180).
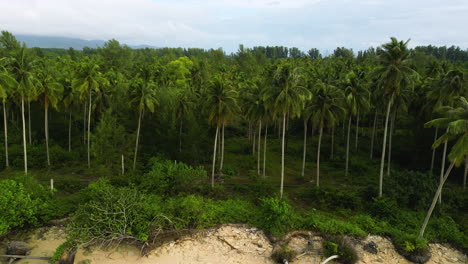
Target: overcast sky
(323,24)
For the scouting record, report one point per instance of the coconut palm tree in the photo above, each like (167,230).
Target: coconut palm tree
(221,107)
(394,75)
(183,108)
(327,110)
(22,66)
(357,98)
(143,95)
(7,83)
(289,94)
(50,92)
(88,79)
(455,121)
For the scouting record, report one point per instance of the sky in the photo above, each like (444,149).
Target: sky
(322,24)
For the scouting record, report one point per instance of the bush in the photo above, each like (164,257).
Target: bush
(114,214)
(167,178)
(18,206)
(342,248)
(276,216)
(327,225)
(283,253)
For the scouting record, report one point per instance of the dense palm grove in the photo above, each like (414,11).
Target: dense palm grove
(369,139)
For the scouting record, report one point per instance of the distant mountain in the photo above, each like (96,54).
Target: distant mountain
(65,42)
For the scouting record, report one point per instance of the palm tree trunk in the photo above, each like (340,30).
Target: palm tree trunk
(434,150)
(137,139)
(318,154)
(89,130)
(180,136)
(305,148)
(24,137)
(373,135)
(5,128)
(259,145)
(46,131)
(264,150)
(69,131)
(347,145)
(29,121)
(332,142)
(282,155)
(123,165)
(357,130)
(434,201)
(442,168)
(254,137)
(214,156)
(466,172)
(221,163)
(84,122)
(392,127)
(249,132)
(382,161)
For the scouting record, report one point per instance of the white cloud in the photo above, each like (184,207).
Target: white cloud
(213,23)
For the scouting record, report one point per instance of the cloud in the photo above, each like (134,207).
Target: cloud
(213,23)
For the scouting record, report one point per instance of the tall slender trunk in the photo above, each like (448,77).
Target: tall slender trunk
(221,163)
(382,161)
(434,150)
(390,136)
(180,136)
(373,135)
(318,153)
(254,135)
(357,130)
(249,131)
(29,121)
(24,137)
(332,142)
(434,201)
(305,148)
(287,132)
(5,129)
(219,144)
(123,165)
(69,131)
(46,130)
(347,145)
(282,155)
(84,122)
(442,168)
(137,138)
(264,150)
(214,156)
(89,129)
(466,172)
(343,134)
(259,145)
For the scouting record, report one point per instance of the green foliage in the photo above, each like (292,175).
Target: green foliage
(328,225)
(169,178)
(342,248)
(19,206)
(60,250)
(276,216)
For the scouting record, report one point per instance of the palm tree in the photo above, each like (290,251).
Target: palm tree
(395,74)
(289,95)
(221,106)
(22,65)
(144,97)
(50,92)
(357,98)
(455,121)
(327,110)
(7,82)
(306,114)
(87,80)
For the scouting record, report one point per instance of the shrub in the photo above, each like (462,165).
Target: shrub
(169,178)
(114,214)
(283,253)
(18,206)
(342,248)
(276,216)
(330,226)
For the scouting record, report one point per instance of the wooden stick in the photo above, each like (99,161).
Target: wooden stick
(24,257)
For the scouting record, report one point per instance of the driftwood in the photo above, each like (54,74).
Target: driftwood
(24,257)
